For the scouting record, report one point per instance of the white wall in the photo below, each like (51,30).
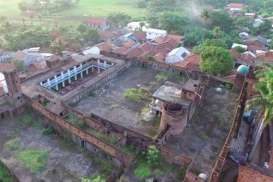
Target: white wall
(3,82)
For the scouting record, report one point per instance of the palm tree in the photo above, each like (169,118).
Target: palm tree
(263,101)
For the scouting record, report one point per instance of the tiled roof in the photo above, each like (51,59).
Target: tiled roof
(141,36)
(236,5)
(96,21)
(246,174)
(190,63)
(105,46)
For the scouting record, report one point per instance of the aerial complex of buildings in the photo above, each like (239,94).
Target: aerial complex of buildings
(197,121)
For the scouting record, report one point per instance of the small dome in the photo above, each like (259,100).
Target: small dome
(243,69)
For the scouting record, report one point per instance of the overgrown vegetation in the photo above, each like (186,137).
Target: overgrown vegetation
(5,175)
(164,76)
(136,94)
(33,159)
(75,120)
(151,164)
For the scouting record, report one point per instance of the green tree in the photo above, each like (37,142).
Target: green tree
(172,22)
(118,20)
(263,101)
(221,19)
(216,60)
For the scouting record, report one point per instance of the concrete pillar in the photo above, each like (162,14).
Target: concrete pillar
(69,76)
(81,71)
(63,82)
(48,83)
(56,81)
(98,66)
(75,70)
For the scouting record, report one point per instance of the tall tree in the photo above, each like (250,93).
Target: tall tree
(263,101)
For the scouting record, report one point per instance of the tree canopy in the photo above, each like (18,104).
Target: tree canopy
(216,60)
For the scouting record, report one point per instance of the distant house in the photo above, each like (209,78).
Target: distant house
(244,35)
(234,45)
(137,26)
(235,7)
(98,23)
(91,50)
(177,55)
(258,22)
(152,34)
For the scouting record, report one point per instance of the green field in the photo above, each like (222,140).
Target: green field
(9,7)
(84,8)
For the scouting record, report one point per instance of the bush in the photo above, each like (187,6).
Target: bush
(153,155)
(142,171)
(96,178)
(34,159)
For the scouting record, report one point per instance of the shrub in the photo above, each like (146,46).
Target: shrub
(142,171)
(153,155)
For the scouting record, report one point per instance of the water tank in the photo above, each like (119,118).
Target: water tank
(243,70)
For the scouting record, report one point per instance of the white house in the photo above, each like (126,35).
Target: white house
(244,35)
(257,22)
(93,50)
(152,34)
(136,26)
(234,45)
(177,55)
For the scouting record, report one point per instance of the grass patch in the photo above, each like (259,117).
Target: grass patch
(5,175)
(33,159)
(164,76)
(13,144)
(136,94)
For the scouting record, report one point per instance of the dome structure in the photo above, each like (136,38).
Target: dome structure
(243,70)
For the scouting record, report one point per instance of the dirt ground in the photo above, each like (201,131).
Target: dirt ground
(66,163)
(109,102)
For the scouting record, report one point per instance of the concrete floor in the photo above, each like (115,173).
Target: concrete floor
(109,102)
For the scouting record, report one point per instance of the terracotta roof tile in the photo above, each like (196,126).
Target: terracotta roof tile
(191,63)
(96,21)
(246,174)
(236,5)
